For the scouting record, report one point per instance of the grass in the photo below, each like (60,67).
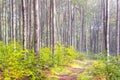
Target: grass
(59,70)
(76,64)
(84,76)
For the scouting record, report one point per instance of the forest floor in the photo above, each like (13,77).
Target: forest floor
(72,71)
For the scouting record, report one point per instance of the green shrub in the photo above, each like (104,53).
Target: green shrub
(60,55)
(98,68)
(110,70)
(46,57)
(84,76)
(59,70)
(101,57)
(14,65)
(64,55)
(113,70)
(81,56)
(70,54)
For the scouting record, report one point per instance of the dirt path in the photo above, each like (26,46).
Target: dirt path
(74,73)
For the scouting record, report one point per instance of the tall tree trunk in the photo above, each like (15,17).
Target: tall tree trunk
(13,23)
(105,16)
(69,24)
(82,30)
(36,28)
(118,28)
(30,23)
(53,24)
(108,28)
(24,25)
(0,31)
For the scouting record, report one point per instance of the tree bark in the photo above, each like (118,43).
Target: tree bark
(36,28)
(24,26)
(118,28)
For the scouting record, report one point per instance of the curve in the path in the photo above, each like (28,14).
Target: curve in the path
(74,73)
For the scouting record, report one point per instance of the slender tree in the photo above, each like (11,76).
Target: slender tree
(118,28)
(105,23)
(53,24)
(36,28)
(24,26)
(108,27)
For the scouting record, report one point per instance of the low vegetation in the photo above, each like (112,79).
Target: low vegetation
(102,69)
(13,65)
(106,70)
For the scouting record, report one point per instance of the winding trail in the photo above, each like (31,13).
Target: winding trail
(74,72)
(73,75)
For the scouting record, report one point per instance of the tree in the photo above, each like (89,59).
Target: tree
(1,23)
(36,28)
(24,25)
(82,29)
(118,28)
(108,28)
(53,24)
(106,23)
(68,22)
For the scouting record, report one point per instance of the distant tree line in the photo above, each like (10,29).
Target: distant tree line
(90,26)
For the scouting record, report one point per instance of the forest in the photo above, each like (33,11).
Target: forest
(59,40)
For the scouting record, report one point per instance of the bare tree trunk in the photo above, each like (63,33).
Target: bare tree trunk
(118,28)
(108,29)
(36,28)
(13,23)
(69,24)
(82,30)
(30,24)
(24,26)
(53,24)
(0,29)
(105,24)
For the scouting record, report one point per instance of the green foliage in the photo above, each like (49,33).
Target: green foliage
(109,70)
(15,66)
(98,68)
(71,54)
(81,56)
(59,70)
(113,69)
(60,55)
(46,57)
(84,76)
(64,55)
(101,57)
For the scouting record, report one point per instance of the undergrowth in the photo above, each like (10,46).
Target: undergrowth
(101,69)
(13,65)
